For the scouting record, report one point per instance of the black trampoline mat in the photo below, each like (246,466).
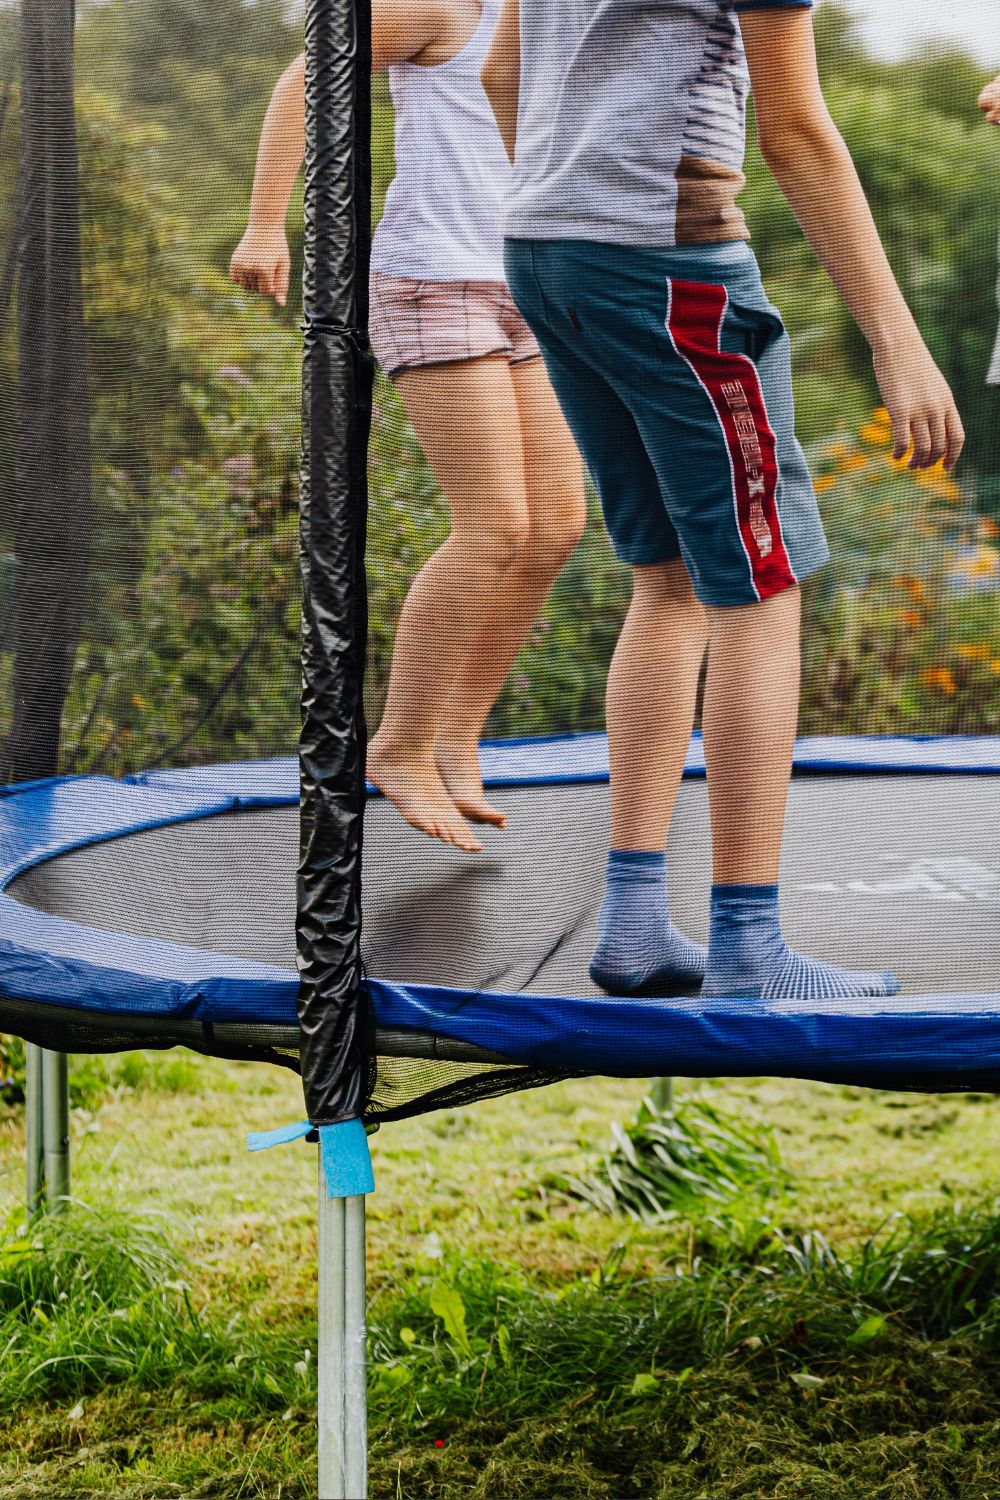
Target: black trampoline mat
(896,870)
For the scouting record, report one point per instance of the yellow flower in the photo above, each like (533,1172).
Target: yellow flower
(881,417)
(995,667)
(824,482)
(985,563)
(875,435)
(853,462)
(937,480)
(972,653)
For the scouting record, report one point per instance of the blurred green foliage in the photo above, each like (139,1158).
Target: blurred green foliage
(190,644)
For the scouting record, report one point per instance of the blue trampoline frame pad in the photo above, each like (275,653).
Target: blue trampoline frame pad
(947,1040)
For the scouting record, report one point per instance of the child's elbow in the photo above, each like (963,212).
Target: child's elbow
(790,140)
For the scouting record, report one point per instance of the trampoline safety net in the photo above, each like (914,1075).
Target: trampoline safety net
(205,598)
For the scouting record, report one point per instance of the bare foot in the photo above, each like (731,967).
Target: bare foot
(459,768)
(414,786)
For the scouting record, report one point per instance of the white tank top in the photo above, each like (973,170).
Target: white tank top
(442,210)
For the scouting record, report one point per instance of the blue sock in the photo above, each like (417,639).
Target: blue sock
(747,955)
(639,950)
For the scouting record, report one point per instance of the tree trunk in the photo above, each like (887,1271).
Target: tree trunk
(52,482)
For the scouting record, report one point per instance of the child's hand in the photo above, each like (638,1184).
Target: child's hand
(919,400)
(989,102)
(261,263)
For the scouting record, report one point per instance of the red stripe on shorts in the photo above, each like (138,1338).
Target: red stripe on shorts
(732,383)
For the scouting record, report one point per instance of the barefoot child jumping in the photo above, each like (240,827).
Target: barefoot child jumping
(445,330)
(627,253)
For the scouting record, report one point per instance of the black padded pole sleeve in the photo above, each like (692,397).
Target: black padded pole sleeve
(336,414)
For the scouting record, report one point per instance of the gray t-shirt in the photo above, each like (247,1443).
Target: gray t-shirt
(631,121)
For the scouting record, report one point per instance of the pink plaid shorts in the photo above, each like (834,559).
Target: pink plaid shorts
(415,323)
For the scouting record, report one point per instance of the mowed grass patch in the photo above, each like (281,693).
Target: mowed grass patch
(765,1364)
(603,1315)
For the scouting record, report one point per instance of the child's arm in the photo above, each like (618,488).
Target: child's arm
(814,170)
(989,101)
(502,72)
(261,262)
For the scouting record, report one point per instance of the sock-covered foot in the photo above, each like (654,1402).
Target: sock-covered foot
(748,957)
(639,950)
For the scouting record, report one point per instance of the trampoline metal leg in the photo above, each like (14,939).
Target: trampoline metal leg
(355,1352)
(331,1257)
(342,1400)
(662,1095)
(55,1129)
(34,1140)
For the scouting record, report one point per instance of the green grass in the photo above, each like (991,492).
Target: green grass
(666,1161)
(829,1330)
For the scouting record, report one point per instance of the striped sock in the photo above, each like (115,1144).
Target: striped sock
(748,957)
(639,950)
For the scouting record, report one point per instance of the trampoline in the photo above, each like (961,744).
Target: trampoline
(271,908)
(161,910)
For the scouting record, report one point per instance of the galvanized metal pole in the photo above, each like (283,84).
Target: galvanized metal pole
(662,1095)
(342,1355)
(34,1092)
(355,1352)
(331,1363)
(55,1129)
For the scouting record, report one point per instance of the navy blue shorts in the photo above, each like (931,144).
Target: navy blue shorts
(674,373)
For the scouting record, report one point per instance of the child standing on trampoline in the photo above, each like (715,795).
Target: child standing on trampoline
(627,254)
(445,330)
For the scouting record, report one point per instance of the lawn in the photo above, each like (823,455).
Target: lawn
(829,1331)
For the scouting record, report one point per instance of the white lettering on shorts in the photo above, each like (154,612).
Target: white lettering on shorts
(753,461)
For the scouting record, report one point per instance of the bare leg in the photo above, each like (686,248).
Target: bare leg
(466,419)
(751,707)
(652,687)
(553,476)
(750,714)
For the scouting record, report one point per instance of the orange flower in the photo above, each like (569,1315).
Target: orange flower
(995,667)
(875,435)
(941,678)
(988,529)
(824,482)
(853,462)
(911,585)
(910,616)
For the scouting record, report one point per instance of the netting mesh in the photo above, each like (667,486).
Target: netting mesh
(149,472)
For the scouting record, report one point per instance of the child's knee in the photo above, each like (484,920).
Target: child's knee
(666,585)
(556,533)
(507,535)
